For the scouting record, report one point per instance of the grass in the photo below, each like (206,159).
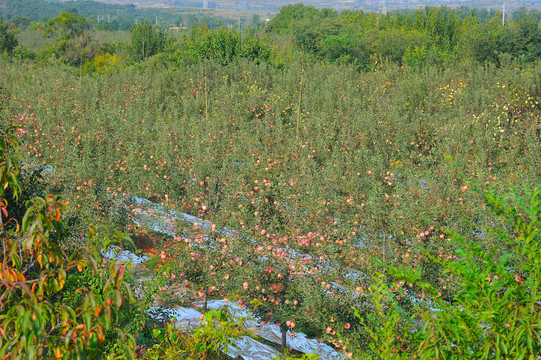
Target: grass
(33,40)
(103,37)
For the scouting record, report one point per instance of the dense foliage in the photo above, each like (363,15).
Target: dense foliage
(146,41)
(8,38)
(112,16)
(40,317)
(495,312)
(315,155)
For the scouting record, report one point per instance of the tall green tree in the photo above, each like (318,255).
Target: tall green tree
(485,40)
(444,26)
(75,44)
(224,45)
(146,40)
(289,17)
(523,38)
(8,38)
(344,48)
(67,26)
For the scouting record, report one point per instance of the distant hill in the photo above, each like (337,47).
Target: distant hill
(117,16)
(121,14)
(38,10)
(372,5)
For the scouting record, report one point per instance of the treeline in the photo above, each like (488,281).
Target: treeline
(408,37)
(435,35)
(112,16)
(345,167)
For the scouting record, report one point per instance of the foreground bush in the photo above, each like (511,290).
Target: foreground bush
(496,312)
(208,341)
(36,321)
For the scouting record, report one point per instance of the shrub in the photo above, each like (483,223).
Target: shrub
(103,64)
(223,45)
(8,38)
(208,341)
(495,313)
(34,321)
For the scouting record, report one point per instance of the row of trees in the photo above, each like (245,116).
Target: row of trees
(74,43)
(112,17)
(433,35)
(321,170)
(497,287)
(442,32)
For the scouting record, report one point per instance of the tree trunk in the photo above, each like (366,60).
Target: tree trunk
(284,338)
